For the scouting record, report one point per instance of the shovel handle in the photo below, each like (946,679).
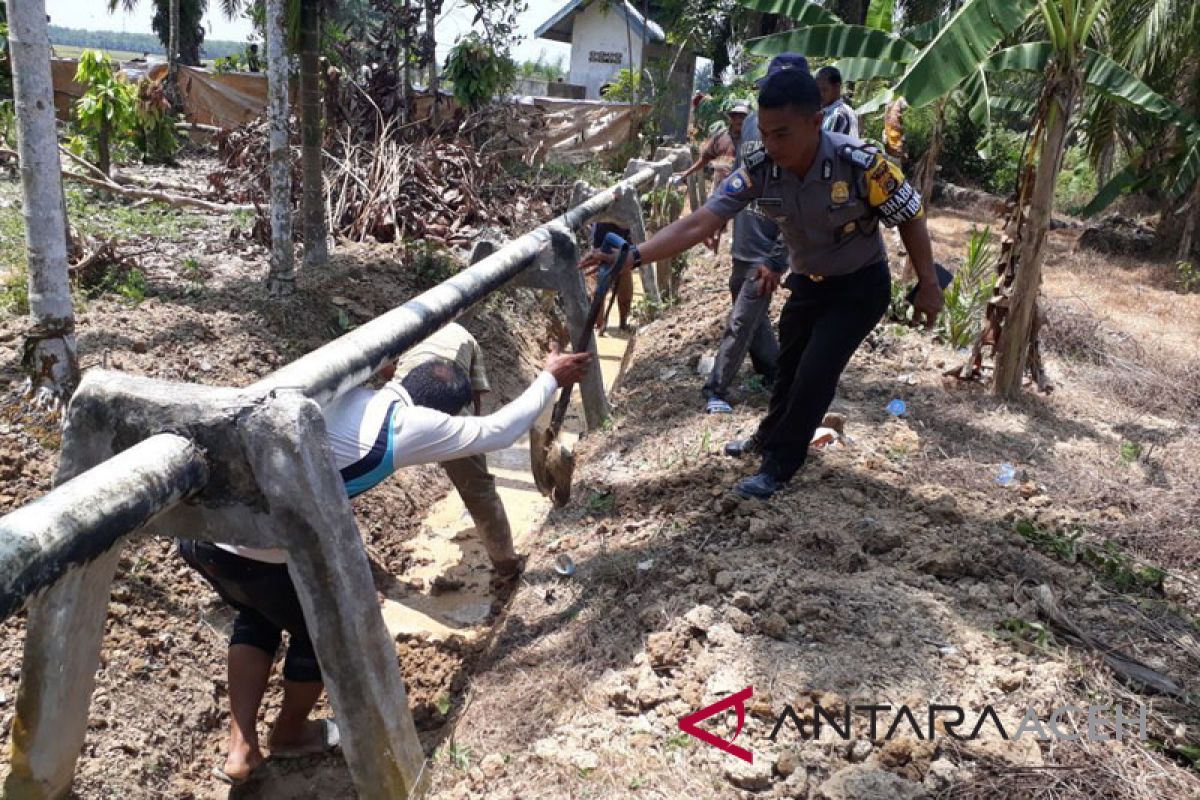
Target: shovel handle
(611,242)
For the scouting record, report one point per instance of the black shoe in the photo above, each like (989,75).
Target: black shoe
(760,486)
(741,447)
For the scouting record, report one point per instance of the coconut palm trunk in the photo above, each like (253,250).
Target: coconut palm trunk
(172,87)
(316,251)
(1014,311)
(49,352)
(406,39)
(1188,239)
(282,277)
(431,11)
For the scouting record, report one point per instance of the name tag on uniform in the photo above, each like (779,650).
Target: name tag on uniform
(770,201)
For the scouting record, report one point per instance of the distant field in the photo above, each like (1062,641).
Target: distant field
(71,51)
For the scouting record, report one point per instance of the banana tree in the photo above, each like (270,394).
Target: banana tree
(963,48)
(1070,70)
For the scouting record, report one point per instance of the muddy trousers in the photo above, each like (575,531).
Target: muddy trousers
(747,331)
(477,488)
(822,324)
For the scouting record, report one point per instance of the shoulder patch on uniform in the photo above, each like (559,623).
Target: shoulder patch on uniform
(738,182)
(861,156)
(753,154)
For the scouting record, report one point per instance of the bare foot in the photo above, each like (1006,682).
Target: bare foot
(311,737)
(240,763)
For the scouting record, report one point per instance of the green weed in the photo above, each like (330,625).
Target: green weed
(1130,452)
(1118,569)
(1030,631)
(967,295)
(1189,276)
(601,502)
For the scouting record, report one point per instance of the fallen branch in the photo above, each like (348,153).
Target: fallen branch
(173,200)
(198,127)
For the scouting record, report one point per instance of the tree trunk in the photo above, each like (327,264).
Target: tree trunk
(316,251)
(405,67)
(431,12)
(1187,240)
(104,148)
(282,277)
(49,359)
(1023,270)
(172,87)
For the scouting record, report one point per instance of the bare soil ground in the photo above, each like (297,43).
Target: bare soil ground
(895,570)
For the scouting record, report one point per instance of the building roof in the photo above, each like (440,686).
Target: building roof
(560,27)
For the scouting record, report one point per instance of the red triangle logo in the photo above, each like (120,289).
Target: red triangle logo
(688,724)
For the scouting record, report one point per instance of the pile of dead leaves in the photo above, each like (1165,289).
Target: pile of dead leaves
(393,186)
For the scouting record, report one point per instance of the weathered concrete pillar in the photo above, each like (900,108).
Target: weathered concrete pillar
(667,161)
(271,483)
(311,515)
(626,211)
(557,268)
(65,625)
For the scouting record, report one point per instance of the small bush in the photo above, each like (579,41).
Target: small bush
(1189,276)
(968,294)
(430,263)
(478,72)
(14,293)
(1076,185)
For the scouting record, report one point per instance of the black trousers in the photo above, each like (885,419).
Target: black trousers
(822,324)
(265,601)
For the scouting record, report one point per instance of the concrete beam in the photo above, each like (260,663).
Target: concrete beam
(81,519)
(272,483)
(333,369)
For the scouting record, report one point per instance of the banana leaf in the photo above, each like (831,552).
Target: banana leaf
(861,69)
(961,47)
(1125,181)
(880,13)
(802,12)
(835,41)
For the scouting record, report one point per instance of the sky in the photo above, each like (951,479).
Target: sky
(455,21)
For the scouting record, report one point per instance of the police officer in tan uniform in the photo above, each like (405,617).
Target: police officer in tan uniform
(828,193)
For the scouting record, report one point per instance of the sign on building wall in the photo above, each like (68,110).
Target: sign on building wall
(605,57)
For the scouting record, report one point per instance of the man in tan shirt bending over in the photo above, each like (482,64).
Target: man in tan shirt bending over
(476,486)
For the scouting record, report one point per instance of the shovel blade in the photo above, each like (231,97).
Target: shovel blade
(560,467)
(538,444)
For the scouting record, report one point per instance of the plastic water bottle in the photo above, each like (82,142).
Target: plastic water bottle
(1008,473)
(897,407)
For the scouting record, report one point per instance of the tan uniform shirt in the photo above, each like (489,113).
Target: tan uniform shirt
(830,217)
(452,343)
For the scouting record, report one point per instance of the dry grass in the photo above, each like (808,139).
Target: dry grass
(1146,377)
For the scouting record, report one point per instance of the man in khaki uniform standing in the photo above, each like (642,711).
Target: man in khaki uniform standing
(828,194)
(476,486)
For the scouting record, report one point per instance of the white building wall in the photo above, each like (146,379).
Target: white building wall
(599,30)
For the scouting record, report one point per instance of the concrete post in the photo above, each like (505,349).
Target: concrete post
(271,483)
(558,265)
(626,211)
(65,625)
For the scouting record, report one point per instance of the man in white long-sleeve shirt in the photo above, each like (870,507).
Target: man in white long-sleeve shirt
(372,433)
